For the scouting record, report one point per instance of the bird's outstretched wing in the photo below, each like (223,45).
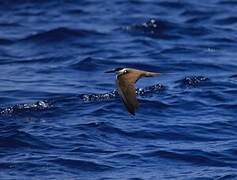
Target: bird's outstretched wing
(127,91)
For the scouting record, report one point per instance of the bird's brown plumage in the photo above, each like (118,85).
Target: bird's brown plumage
(126,87)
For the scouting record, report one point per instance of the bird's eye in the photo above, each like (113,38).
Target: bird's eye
(125,71)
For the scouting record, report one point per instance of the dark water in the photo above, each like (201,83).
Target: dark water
(61,117)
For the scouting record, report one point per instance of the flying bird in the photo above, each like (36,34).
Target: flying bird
(125,81)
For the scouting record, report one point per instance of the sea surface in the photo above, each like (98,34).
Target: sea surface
(61,116)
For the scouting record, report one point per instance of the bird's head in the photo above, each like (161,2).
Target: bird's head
(118,71)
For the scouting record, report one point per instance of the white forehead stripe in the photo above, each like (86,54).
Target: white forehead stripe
(121,71)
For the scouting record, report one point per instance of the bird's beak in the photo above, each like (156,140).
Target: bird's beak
(110,71)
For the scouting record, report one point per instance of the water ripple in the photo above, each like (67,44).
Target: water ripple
(60,34)
(192,81)
(82,164)
(193,156)
(13,138)
(154,28)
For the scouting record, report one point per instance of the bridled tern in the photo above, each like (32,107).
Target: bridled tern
(125,81)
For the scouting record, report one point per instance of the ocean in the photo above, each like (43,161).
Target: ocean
(61,116)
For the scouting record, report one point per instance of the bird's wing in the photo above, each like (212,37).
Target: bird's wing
(127,92)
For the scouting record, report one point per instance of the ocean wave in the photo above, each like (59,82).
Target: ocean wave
(114,94)
(154,28)
(26,108)
(93,150)
(168,133)
(80,164)
(173,4)
(164,29)
(192,81)
(14,138)
(76,11)
(5,41)
(60,34)
(227,2)
(197,157)
(124,155)
(44,105)
(197,30)
(89,64)
(174,134)
(233,76)
(94,64)
(227,20)
(196,12)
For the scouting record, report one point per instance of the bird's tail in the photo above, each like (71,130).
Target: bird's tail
(151,74)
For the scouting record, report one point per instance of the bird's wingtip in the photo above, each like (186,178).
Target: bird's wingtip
(131,112)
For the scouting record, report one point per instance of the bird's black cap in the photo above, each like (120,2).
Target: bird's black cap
(114,70)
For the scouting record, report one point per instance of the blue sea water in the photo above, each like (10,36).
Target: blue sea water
(61,117)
